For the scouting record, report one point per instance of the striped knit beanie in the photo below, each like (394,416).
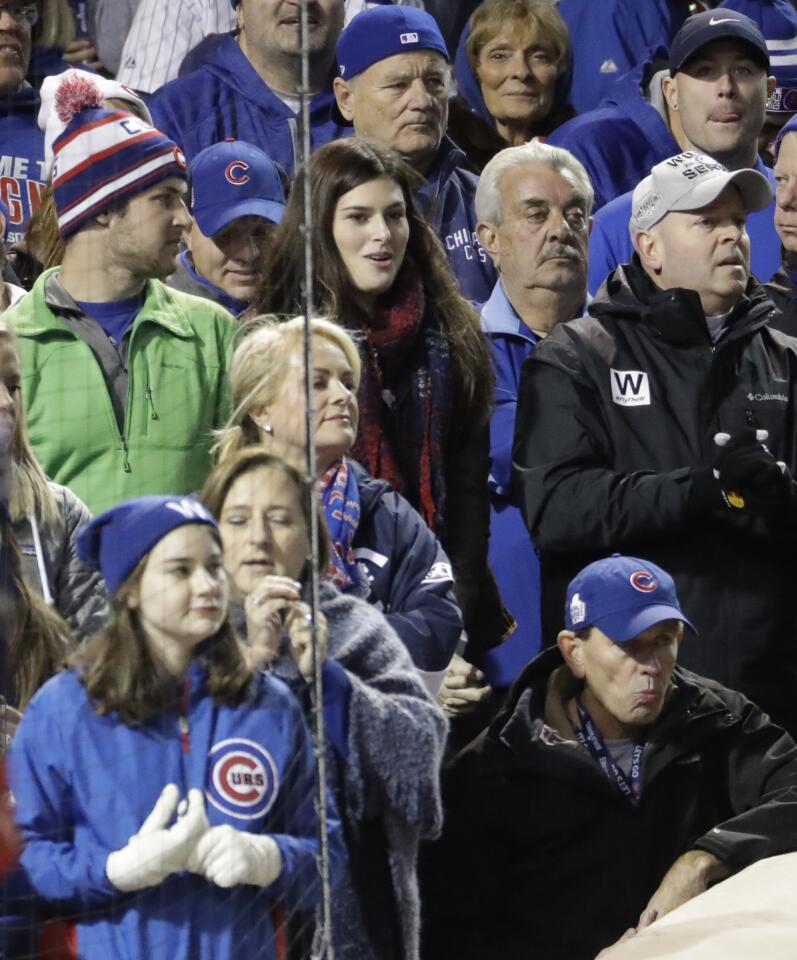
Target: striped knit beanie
(104,156)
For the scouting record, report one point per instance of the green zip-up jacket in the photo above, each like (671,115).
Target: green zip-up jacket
(178,356)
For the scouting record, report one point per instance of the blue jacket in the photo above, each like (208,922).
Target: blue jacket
(610,242)
(511,554)
(85,783)
(621,139)
(628,30)
(21,159)
(449,207)
(409,575)
(227,98)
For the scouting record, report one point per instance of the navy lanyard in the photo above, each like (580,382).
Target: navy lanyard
(589,737)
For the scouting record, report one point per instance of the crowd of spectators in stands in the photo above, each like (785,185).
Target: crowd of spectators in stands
(527,561)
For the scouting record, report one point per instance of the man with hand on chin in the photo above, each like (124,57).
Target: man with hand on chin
(617,417)
(626,785)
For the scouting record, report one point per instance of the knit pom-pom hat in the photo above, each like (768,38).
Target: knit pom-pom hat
(102,156)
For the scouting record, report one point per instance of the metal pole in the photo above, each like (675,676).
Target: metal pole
(323,949)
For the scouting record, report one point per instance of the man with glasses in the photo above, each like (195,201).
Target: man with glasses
(21,141)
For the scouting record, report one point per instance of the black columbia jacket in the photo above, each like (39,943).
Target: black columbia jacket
(615,412)
(542,857)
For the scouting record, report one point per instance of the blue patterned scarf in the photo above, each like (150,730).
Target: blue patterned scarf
(341,499)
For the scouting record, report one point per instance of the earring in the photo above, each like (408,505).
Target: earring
(265,427)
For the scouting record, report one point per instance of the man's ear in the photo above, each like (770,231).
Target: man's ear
(344,97)
(771,84)
(570,647)
(669,87)
(646,244)
(488,238)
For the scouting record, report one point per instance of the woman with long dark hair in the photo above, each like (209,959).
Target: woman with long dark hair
(427,378)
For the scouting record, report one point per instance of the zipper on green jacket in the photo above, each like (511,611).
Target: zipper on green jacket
(153,413)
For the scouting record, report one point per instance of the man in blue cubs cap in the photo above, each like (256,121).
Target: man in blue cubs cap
(237,199)
(392,85)
(612,774)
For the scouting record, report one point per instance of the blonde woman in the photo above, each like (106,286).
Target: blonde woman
(382,550)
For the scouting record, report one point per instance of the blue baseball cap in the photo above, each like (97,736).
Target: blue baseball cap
(717,24)
(621,596)
(383,32)
(234,179)
(116,540)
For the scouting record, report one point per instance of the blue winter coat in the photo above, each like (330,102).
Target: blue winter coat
(449,207)
(85,783)
(227,98)
(628,30)
(621,139)
(610,242)
(409,575)
(21,159)
(512,556)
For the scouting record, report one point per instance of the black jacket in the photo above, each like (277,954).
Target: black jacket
(542,857)
(615,411)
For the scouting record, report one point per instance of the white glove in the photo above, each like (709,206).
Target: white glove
(156,851)
(228,857)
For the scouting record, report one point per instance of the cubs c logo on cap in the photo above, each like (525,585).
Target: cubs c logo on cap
(232,175)
(179,158)
(643,581)
(243,779)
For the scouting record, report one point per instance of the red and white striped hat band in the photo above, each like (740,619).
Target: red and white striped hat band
(103,157)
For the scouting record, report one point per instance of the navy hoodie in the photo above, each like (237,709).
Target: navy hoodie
(449,207)
(21,159)
(225,98)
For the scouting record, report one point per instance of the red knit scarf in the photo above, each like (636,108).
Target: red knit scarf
(390,337)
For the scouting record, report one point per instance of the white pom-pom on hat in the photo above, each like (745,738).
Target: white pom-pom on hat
(66,94)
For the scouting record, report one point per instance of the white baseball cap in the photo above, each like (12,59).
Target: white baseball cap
(691,181)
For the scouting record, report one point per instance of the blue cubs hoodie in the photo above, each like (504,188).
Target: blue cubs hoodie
(226,97)
(448,204)
(21,159)
(85,783)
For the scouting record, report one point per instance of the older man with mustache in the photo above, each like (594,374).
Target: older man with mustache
(664,423)
(533,204)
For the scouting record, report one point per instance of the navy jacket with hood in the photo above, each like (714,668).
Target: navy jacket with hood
(448,204)
(227,98)
(409,575)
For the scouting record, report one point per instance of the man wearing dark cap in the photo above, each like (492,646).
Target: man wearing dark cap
(392,85)
(613,787)
(237,199)
(712,100)
(248,87)
(664,423)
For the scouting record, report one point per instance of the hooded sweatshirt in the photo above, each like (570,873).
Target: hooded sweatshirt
(227,98)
